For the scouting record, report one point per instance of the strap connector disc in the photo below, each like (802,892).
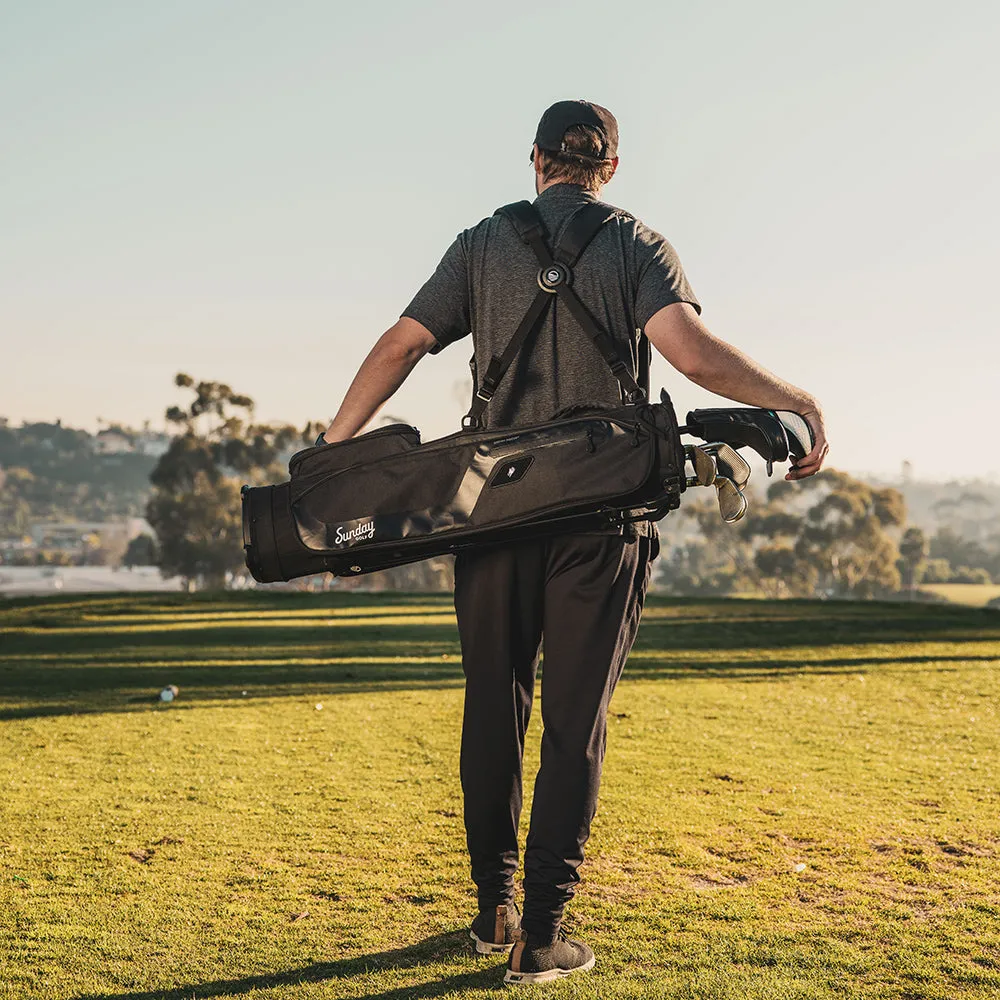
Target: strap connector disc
(552,276)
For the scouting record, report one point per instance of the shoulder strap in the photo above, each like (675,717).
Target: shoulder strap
(554,278)
(582,227)
(528,225)
(524,217)
(585,224)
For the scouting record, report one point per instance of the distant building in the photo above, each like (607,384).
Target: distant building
(114,441)
(152,443)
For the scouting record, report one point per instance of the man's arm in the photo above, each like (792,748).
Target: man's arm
(385,369)
(680,336)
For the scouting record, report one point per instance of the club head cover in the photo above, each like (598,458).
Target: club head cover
(741,427)
(798,432)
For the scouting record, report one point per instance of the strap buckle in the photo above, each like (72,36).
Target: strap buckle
(491,379)
(551,276)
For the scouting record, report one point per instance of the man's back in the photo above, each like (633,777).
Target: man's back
(487,280)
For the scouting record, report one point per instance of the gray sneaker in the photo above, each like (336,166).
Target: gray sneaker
(542,962)
(496,930)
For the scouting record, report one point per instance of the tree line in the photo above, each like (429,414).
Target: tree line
(829,536)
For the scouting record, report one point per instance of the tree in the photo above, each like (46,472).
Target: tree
(141,551)
(913,550)
(937,571)
(707,557)
(830,536)
(846,537)
(195,505)
(960,550)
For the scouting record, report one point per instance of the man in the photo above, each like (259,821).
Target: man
(583,593)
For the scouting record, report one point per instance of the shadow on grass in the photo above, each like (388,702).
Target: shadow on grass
(435,949)
(113,653)
(198,692)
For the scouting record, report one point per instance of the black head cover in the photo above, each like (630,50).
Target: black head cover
(776,435)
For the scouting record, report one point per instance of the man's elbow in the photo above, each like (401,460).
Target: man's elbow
(693,368)
(410,353)
(405,344)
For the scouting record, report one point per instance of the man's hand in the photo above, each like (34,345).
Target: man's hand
(813,462)
(677,332)
(380,375)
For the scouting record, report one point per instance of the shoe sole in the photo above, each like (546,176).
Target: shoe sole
(526,978)
(488,947)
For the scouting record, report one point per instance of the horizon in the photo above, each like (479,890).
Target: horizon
(220,190)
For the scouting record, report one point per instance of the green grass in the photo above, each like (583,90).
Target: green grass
(976,595)
(242,842)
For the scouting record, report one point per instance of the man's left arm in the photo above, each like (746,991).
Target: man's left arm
(441,305)
(385,369)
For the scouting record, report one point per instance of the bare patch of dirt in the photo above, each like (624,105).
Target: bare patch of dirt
(714,880)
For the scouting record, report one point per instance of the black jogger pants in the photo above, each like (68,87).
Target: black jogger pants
(584,594)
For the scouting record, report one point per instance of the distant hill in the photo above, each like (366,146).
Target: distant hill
(52,472)
(970,507)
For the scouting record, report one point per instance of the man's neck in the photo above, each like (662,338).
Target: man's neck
(543,185)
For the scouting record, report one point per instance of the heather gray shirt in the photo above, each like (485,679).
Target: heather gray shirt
(487,279)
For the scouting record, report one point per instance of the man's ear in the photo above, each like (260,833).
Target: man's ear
(614,166)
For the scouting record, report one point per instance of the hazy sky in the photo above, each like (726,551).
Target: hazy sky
(252,192)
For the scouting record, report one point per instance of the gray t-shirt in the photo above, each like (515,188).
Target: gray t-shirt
(487,279)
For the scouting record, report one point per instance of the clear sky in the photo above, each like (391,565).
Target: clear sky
(253,191)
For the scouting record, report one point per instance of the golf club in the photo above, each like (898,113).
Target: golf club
(732,503)
(730,463)
(704,463)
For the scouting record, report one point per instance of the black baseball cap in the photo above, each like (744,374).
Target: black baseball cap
(564,115)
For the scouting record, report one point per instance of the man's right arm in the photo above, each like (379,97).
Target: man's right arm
(677,332)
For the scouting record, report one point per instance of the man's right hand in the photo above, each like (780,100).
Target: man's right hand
(813,462)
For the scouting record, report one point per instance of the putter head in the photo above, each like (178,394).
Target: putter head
(777,436)
(732,503)
(730,463)
(704,464)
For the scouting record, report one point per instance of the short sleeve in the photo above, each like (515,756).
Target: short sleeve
(442,305)
(661,279)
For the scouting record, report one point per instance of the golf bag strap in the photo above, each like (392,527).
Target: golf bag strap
(581,229)
(645,352)
(498,366)
(631,392)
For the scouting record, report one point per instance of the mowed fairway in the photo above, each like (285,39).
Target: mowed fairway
(800,801)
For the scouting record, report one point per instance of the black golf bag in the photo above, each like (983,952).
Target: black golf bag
(383,499)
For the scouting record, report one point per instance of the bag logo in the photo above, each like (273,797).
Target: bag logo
(510,471)
(365,531)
